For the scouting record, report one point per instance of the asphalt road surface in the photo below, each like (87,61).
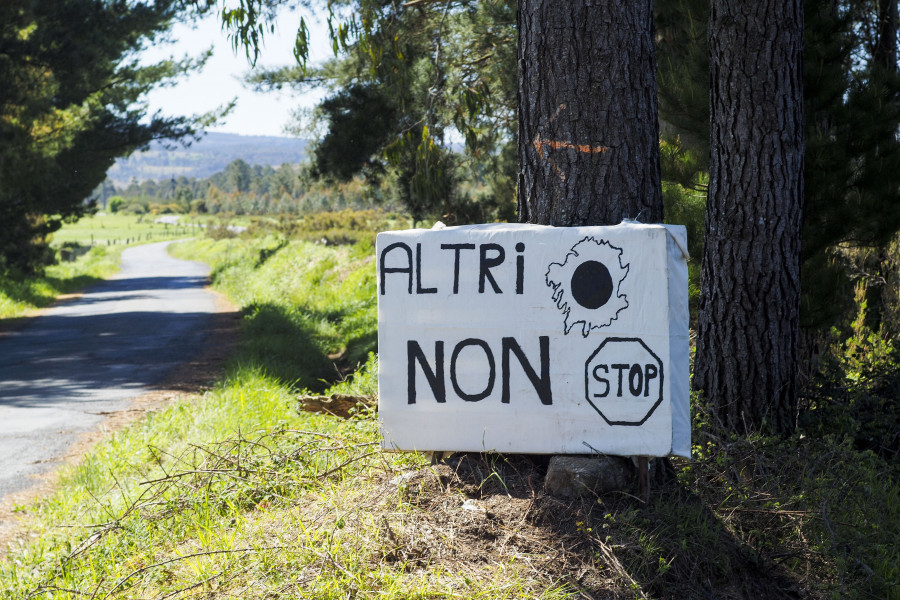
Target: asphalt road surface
(64,371)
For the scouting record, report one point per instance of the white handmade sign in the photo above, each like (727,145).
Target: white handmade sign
(534,339)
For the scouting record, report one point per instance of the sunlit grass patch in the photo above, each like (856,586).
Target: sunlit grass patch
(104,229)
(309,508)
(18,296)
(178,478)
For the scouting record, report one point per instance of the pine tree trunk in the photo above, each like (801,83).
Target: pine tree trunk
(746,360)
(885,51)
(588,129)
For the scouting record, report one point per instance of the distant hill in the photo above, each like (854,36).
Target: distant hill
(203,158)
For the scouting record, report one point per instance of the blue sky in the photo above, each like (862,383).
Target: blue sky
(220,81)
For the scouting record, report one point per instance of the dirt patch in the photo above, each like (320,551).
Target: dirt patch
(192,377)
(479,511)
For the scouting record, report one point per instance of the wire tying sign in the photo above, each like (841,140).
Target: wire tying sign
(534,339)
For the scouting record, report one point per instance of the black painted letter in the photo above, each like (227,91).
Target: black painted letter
(635,380)
(487,264)
(408,270)
(651,371)
(492,375)
(602,379)
(435,377)
(620,368)
(520,268)
(457,248)
(419,288)
(541,384)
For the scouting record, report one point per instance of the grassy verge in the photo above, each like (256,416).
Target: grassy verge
(20,296)
(310,310)
(234,494)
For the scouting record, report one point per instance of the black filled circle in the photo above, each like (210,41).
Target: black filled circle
(592,285)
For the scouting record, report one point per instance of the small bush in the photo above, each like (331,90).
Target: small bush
(115,203)
(336,228)
(856,393)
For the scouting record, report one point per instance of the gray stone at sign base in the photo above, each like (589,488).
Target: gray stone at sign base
(571,476)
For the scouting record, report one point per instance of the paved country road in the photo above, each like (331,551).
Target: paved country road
(64,371)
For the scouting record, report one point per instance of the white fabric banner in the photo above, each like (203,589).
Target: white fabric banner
(534,339)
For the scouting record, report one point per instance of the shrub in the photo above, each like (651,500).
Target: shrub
(115,204)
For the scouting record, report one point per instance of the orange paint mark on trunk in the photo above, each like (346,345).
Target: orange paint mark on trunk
(540,144)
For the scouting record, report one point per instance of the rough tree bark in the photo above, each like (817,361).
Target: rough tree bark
(588,129)
(746,360)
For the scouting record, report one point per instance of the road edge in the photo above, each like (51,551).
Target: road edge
(191,378)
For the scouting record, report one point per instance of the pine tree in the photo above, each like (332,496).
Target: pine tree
(69,105)
(588,131)
(852,95)
(851,117)
(684,74)
(746,360)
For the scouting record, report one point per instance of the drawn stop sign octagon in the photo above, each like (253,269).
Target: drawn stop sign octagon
(624,381)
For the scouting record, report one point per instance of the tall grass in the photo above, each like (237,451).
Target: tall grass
(189,485)
(136,497)
(309,310)
(234,494)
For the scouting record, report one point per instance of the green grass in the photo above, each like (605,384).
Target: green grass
(310,310)
(118,229)
(176,485)
(18,297)
(234,494)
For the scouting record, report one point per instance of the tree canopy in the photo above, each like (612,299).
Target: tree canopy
(71,91)
(423,93)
